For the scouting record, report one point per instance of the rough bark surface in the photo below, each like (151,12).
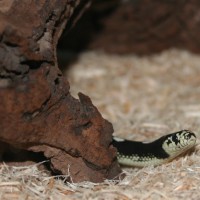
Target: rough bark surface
(140,26)
(37,112)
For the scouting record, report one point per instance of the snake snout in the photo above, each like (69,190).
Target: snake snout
(193,140)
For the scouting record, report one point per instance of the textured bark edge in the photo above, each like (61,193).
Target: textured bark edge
(37,112)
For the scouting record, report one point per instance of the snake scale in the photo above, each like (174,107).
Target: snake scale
(162,150)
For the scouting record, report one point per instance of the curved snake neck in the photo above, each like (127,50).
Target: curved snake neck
(164,149)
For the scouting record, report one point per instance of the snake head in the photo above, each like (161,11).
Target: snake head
(179,142)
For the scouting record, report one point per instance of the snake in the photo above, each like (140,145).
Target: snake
(157,152)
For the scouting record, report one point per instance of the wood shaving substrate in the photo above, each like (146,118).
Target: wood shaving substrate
(144,98)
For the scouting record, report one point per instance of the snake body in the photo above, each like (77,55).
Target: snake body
(162,150)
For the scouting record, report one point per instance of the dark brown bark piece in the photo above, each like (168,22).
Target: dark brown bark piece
(37,112)
(141,27)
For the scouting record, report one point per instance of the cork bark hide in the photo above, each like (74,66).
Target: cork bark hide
(37,112)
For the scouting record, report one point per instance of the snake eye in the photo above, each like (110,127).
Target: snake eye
(187,136)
